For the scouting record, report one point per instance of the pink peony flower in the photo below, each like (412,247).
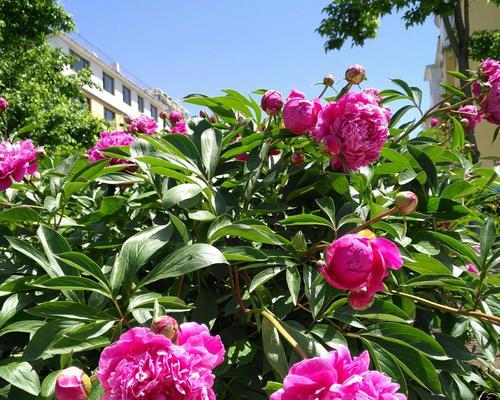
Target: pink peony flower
(472,268)
(143,124)
(175,116)
(471,115)
(109,139)
(17,160)
(272,102)
(488,94)
(359,262)
(337,376)
(180,127)
(353,129)
(300,115)
(72,384)
(4,104)
(434,122)
(144,365)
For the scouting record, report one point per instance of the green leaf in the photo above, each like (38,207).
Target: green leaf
(272,387)
(201,215)
(293,282)
(139,248)
(210,143)
(328,207)
(306,219)
(457,189)
(328,335)
(117,275)
(180,193)
(85,264)
(426,265)
(69,310)
(49,384)
(13,304)
(169,303)
(381,310)
(21,375)
(273,349)
(264,276)
(73,283)
(43,338)
(487,239)
(425,163)
(458,137)
(20,214)
(457,246)
(254,233)
(184,260)
(386,363)
(243,253)
(409,336)
(406,176)
(446,209)
(111,205)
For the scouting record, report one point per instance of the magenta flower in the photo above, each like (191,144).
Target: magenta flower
(472,269)
(72,384)
(4,104)
(337,376)
(143,365)
(300,115)
(471,115)
(272,102)
(17,160)
(143,124)
(434,122)
(353,130)
(175,116)
(109,139)
(180,127)
(489,99)
(359,263)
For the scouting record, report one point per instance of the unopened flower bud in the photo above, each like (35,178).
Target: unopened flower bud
(355,74)
(72,384)
(434,122)
(464,122)
(175,116)
(272,102)
(406,202)
(328,80)
(166,326)
(298,157)
(4,104)
(163,114)
(203,114)
(212,119)
(446,105)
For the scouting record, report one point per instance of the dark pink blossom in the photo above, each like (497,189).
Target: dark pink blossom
(353,129)
(17,160)
(175,116)
(471,114)
(109,139)
(300,115)
(143,124)
(4,104)
(272,102)
(180,127)
(72,384)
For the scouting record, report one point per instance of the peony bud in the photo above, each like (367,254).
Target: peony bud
(212,119)
(4,104)
(434,122)
(128,119)
(355,74)
(175,116)
(464,122)
(328,80)
(446,105)
(203,114)
(298,157)
(72,384)
(163,114)
(406,202)
(166,326)
(472,269)
(272,102)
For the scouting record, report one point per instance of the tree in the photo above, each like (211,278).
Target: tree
(49,104)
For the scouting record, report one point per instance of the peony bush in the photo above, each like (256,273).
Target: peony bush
(287,249)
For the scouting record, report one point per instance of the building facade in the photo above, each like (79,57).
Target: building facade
(114,93)
(482,15)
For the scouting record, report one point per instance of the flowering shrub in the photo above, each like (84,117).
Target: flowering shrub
(316,249)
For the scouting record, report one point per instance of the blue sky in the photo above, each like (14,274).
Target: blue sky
(200,46)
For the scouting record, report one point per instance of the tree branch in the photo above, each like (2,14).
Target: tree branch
(451,35)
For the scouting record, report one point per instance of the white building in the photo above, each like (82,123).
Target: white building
(115,92)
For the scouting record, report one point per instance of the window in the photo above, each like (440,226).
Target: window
(140,103)
(80,62)
(108,83)
(154,112)
(127,98)
(109,115)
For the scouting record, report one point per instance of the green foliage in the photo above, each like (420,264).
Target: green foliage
(44,104)
(484,44)
(194,233)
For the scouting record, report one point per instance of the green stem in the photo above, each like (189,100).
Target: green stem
(122,317)
(295,345)
(373,220)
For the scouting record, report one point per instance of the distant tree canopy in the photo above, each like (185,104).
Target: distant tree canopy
(50,105)
(359,20)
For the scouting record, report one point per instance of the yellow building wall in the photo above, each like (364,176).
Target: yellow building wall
(97,109)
